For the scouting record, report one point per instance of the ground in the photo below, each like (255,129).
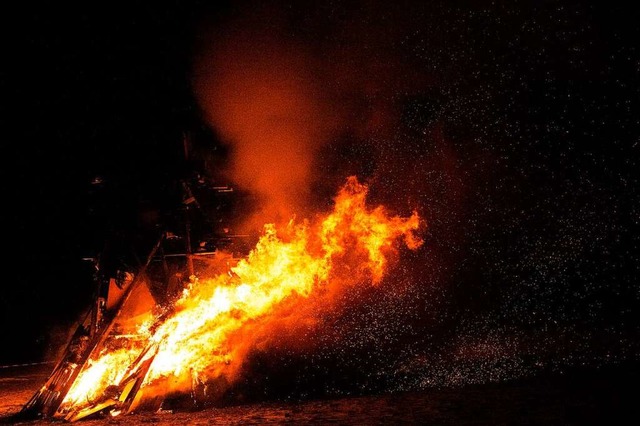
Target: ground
(572,398)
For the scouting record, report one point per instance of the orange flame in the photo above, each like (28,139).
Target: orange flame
(349,245)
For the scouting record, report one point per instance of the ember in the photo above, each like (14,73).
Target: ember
(141,356)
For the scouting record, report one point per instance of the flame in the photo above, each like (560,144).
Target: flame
(99,375)
(348,246)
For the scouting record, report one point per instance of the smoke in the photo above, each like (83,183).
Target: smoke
(306,95)
(260,93)
(297,94)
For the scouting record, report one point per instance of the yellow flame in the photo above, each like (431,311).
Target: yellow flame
(99,374)
(295,261)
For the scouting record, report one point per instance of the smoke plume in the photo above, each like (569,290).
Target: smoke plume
(293,100)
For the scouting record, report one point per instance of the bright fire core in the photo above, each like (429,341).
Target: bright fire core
(217,319)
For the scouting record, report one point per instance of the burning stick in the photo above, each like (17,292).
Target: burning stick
(89,336)
(121,398)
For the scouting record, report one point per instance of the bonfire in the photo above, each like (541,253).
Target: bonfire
(135,348)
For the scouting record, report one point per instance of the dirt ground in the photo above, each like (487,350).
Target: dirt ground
(591,399)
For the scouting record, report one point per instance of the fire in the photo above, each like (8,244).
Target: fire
(348,246)
(99,375)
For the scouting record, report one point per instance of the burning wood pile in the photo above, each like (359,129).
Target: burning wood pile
(148,338)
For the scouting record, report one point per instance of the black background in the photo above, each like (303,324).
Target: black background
(538,102)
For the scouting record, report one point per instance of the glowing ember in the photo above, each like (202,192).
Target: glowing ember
(348,246)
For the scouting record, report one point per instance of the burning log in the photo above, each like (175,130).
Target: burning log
(124,299)
(88,338)
(121,399)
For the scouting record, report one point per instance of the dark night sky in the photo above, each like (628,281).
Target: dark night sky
(522,149)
